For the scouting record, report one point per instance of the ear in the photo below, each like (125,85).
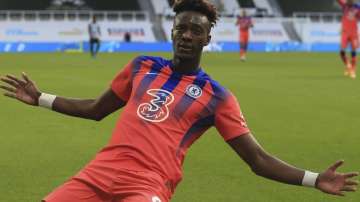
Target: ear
(172,35)
(208,39)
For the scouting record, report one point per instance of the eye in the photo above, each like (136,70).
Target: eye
(180,28)
(197,31)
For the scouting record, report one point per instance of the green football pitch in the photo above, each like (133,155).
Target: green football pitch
(298,105)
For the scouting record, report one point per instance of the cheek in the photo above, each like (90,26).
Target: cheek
(202,41)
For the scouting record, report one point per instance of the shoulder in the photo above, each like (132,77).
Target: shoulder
(149,62)
(220,92)
(151,59)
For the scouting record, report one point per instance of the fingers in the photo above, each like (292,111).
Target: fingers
(348,188)
(336,165)
(351,182)
(12,90)
(350,175)
(10,82)
(10,95)
(20,82)
(25,77)
(336,193)
(15,82)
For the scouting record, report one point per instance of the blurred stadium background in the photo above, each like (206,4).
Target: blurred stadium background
(61,25)
(291,90)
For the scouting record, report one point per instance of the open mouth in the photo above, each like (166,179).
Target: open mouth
(185,48)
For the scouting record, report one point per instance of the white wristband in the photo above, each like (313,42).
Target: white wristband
(46,100)
(309,179)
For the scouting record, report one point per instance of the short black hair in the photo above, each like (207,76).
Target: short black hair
(201,6)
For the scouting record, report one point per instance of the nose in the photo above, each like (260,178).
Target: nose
(187,34)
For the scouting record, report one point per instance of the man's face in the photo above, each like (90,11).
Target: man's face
(190,34)
(243,13)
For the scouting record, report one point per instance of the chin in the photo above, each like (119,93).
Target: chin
(186,56)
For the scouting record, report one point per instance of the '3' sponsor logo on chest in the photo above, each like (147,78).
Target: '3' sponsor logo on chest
(157,109)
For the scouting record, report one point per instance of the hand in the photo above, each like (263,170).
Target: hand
(23,90)
(335,183)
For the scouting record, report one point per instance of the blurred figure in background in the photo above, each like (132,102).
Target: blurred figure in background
(349,34)
(94,33)
(245,23)
(127,37)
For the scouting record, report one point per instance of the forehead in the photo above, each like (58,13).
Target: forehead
(191,17)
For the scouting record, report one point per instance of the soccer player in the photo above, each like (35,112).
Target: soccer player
(245,23)
(168,104)
(94,34)
(349,34)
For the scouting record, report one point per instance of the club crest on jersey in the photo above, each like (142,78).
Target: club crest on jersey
(193,91)
(157,109)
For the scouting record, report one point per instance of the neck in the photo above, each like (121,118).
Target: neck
(184,66)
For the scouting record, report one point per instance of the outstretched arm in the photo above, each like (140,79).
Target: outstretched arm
(26,91)
(268,166)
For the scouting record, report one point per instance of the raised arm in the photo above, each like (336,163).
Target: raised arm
(26,91)
(268,166)
(251,23)
(237,21)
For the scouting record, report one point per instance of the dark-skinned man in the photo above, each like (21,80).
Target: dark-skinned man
(168,104)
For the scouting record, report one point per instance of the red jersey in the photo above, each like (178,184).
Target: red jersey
(351,15)
(245,23)
(165,113)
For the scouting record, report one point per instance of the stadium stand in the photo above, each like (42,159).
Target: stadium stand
(129,5)
(160,6)
(246,3)
(289,7)
(231,6)
(277,22)
(261,8)
(23,5)
(123,5)
(264,5)
(68,5)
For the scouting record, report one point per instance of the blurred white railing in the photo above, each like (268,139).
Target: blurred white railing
(322,17)
(65,15)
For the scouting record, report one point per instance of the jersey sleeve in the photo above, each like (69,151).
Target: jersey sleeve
(121,85)
(229,120)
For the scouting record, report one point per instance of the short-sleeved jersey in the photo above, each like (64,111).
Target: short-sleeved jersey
(244,23)
(94,30)
(351,15)
(166,112)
